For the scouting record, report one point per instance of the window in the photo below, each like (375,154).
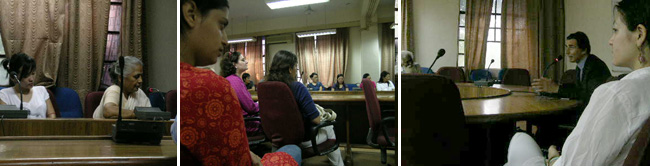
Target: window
(494,36)
(112,41)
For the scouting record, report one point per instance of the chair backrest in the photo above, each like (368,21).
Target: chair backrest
(156,99)
(640,153)
(456,74)
(372,106)
(171,102)
(436,122)
(54,103)
(569,77)
(501,73)
(281,119)
(516,77)
(92,101)
(68,103)
(480,74)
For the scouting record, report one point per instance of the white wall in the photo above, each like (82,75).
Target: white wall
(161,44)
(436,26)
(274,48)
(595,20)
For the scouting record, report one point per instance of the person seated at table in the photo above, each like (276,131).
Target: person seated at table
(612,120)
(591,72)
(408,63)
(247,80)
(340,83)
(207,99)
(233,65)
(133,96)
(283,69)
(315,84)
(35,98)
(367,76)
(385,84)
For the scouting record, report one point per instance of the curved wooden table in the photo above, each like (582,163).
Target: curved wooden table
(521,103)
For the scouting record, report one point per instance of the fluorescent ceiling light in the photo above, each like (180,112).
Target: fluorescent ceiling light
(277,4)
(242,40)
(316,33)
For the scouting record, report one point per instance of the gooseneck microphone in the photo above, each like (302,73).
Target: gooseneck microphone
(15,75)
(559,58)
(487,71)
(121,63)
(441,52)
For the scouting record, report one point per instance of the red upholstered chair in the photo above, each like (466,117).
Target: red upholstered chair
(457,74)
(516,77)
(433,122)
(170,103)
(254,140)
(282,121)
(379,135)
(640,153)
(92,101)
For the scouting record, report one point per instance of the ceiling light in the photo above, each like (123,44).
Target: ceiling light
(316,33)
(277,4)
(242,40)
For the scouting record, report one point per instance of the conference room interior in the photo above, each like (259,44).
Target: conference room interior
(73,44)
(351,38)
(474,107)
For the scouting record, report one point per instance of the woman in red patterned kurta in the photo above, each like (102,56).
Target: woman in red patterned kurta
(212,127)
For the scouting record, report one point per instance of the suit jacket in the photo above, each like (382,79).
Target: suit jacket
(594,74)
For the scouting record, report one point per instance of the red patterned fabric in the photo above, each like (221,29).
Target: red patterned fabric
(279,159)
(212,127)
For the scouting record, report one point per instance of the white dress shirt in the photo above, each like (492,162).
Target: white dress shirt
(611,122)
(388,86)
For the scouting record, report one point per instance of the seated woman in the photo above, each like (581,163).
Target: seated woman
(367,76)
(133,96)
(385,84)
(608,127)
(35,98)
(233,65)
(315,85)
(340,84)
(283,69)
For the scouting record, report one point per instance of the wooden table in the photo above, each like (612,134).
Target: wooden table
(80,126)
(346,98)
(83,150)
(522,103)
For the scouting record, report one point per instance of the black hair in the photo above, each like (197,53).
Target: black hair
(582,39)
(245,75)
(204,6)
(17,63)
(283,61)
(366,75)
(337,80)
(383,74)
(312,75)
(227,66)
(635,12)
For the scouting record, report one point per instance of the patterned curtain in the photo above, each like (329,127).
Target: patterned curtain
(388,55)
(253,55)
(407,26)
(131,33)
(477,21)
(520,47)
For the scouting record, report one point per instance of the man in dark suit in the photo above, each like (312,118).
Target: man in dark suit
(591,72)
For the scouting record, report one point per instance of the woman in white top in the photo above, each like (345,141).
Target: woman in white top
(133,96)
(35,98)
(616,111)
(384,83)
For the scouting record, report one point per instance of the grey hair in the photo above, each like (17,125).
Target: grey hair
(130,63)
(407,58)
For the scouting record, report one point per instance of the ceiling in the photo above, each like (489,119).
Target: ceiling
(251,10)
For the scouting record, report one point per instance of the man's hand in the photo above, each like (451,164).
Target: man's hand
(545,85)
(552,152)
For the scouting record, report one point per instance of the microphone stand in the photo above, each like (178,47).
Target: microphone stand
(20,89)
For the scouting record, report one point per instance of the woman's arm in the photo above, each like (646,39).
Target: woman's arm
(111,110)
(50,109)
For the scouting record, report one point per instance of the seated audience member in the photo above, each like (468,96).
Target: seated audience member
(232,66)
(367,76)
(247,80)
(212,127)
(408,63)
(283,70)
(340,83)
(35,98)
(133,96)
(613,118)
(315,84)
(385,84)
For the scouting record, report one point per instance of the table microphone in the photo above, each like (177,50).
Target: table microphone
(15,75)
(559,58)
(487,71)
(441,52)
